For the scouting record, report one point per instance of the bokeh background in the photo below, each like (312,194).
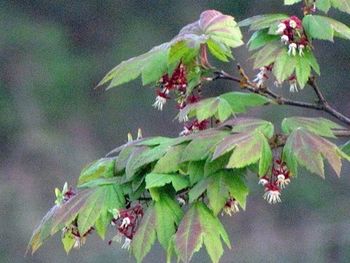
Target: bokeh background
(53,122)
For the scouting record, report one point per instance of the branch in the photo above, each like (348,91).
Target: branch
(323,105)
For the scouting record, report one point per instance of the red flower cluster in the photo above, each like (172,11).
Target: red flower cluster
(127,222)
(279,179)
(68,194)
(177,82)
(293,35)
(193,126)
(73,231)
(231,207)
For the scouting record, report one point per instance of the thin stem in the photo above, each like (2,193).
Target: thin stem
(323,105)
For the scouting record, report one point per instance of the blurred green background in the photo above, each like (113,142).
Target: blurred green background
(53,122)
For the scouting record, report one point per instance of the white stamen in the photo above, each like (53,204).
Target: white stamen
(272,196)
(292,49)
(231,209)
(292,24)
(159,103)
(293,86)
(301,48)
(126,222)
(282,181)
(185,132)
(285,39)
(126,244)
(281,28)
(263,181)
(181,201)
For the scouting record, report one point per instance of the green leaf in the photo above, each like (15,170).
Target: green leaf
(57,218)
(102,223)
(222,185)
(342,5)
(142,156)
(195,171)
(199,148)
(154,67)
(262,21)
(104,198)
(323,5)
(302,70)
(223,106)
(178,181)
(248,148)
(260,39)
(169,163)
(145,235)
(346,148)
(239,125)
(103,168)
(221,52)
(308,150)
(309,55)
(340,29)
(180,51)
(319,126)
(291,2)
(318,27)
(68,241)
(221,30)
(284,66)
(212,166)
(199,226)
(130,69)
(268,54)
(168,216)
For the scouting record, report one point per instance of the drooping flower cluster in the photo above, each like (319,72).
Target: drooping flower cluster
(281,173)
(126,222)
(262,76)
(194,126)
(231,207)
(293,35)
(64,195)
(279,179)
(73,232)
(176,82)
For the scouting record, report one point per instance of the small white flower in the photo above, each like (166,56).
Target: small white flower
(260,77)
(285,39)
(282,181)
(126,244)
(231,209)
(292,49)
(272,196)
(159,103)
(263,181)
(183,117)
(185,132)
(79,241)
(181,201)
(277,83)
(125,223)
(293,86)
(117,238)
(301,50)
(292,23)
(280,28)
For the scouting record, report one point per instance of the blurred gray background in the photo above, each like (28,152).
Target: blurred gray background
(53,122)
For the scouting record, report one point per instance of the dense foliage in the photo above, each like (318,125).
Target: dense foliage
(174,189)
